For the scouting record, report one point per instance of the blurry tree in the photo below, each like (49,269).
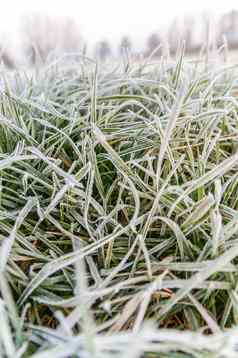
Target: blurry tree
(153,44)
(72,40)
(188,33)
(182,30)
(103,50)
(125,45)
(43,34)
(209,33)
(228,27)
(6,58)
(174,35)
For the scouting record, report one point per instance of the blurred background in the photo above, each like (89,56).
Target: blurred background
(32,31)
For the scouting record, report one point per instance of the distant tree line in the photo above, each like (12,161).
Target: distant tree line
(44,35)
(195,33)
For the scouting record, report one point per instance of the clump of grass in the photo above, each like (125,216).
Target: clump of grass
(119,211)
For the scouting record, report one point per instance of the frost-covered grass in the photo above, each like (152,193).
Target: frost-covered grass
(119,211)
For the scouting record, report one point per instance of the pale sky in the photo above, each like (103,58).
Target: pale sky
(111,18)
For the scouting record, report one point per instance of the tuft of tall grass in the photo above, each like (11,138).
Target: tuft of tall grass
(119,211)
